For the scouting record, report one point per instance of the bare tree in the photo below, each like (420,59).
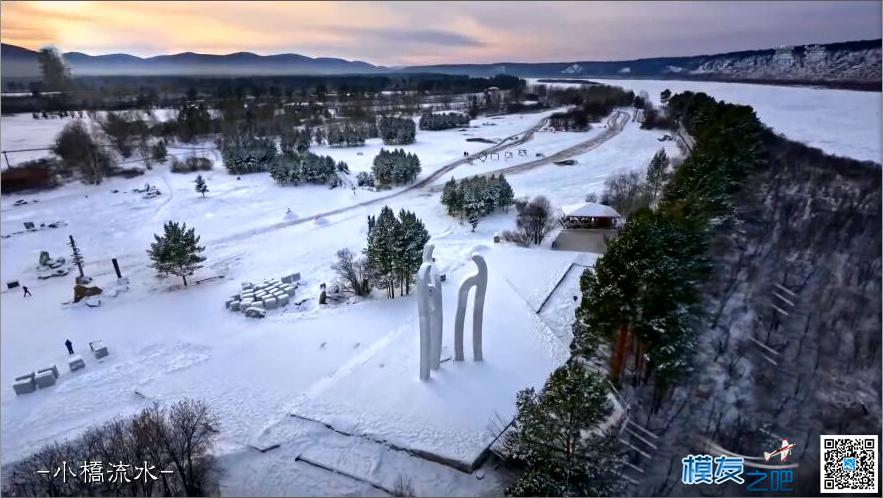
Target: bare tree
(535,219)
(626,192)
(352,272)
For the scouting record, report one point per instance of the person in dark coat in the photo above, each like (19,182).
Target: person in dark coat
(27,292)
(70,346)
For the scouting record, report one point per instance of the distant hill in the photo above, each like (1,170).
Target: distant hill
(855,61)
(21,62)
(858,61)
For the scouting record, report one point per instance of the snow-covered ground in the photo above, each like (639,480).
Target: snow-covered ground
(841,122)
(168,342)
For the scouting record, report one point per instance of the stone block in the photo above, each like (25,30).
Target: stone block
(75,363)
(25,386)
(289,290)
(234,306)
(257,304)
(290,279)
(270,303)
(53,369)
(255,312)
(100,351)
(227,303)
(246,285)
(44,379)
(282,300)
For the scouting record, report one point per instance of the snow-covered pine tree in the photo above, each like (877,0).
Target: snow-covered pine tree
(380,251)
(176,251)
(410,239)
(557,437)
(472,215)
(489,194)
(201,187)
(450,197)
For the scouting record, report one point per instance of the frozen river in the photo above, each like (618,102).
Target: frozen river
(841,122)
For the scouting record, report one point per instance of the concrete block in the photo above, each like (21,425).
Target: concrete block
(234,306)
(289,290)
(282,300)
(100,352)
(25,377)
(246,285)
(254,312)
(290,279)
(257,304)
(53,369)
(44,379)
(270,303)
(227,303)
(25,386)
(75,363)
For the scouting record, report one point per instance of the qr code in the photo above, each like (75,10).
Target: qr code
(849,464)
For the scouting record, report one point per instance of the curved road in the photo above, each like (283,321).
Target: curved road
(615,124)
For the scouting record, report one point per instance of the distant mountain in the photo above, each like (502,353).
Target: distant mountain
(856,61)
(21,62)
(837,63)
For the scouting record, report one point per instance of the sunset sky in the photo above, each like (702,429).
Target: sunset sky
(407,33)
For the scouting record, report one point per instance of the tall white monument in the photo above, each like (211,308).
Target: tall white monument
(479,281)
(430,313)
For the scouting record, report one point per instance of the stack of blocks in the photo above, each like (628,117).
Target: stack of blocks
(267,295)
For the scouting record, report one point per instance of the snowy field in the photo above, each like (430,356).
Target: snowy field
(168,342)
(842,122)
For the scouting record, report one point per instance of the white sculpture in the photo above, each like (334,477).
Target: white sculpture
(429,312)
(479,281)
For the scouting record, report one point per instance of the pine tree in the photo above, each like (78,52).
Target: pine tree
(657,173)
(450,197)
(506,197)
(557,438)
(408,246)
(201,186)
(381,251)
(176,251)
(76,255)
(472,216)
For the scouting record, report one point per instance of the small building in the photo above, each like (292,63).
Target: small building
(589,215)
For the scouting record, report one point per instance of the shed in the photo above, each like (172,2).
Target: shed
(588,215)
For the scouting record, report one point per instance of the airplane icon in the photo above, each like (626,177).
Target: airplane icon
(784,450)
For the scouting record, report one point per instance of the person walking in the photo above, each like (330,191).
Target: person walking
(70,346)
(27,292)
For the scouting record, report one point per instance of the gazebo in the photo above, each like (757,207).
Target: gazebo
(589,215)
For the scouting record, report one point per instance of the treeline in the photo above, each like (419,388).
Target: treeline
(395,167)
(477,196)
(397,131)
(348,134)
(245,154)
(139,92)
(654,265)
(291,169)
(592,103)
(395,250)
(642,298)
(443,121)
(157,452)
